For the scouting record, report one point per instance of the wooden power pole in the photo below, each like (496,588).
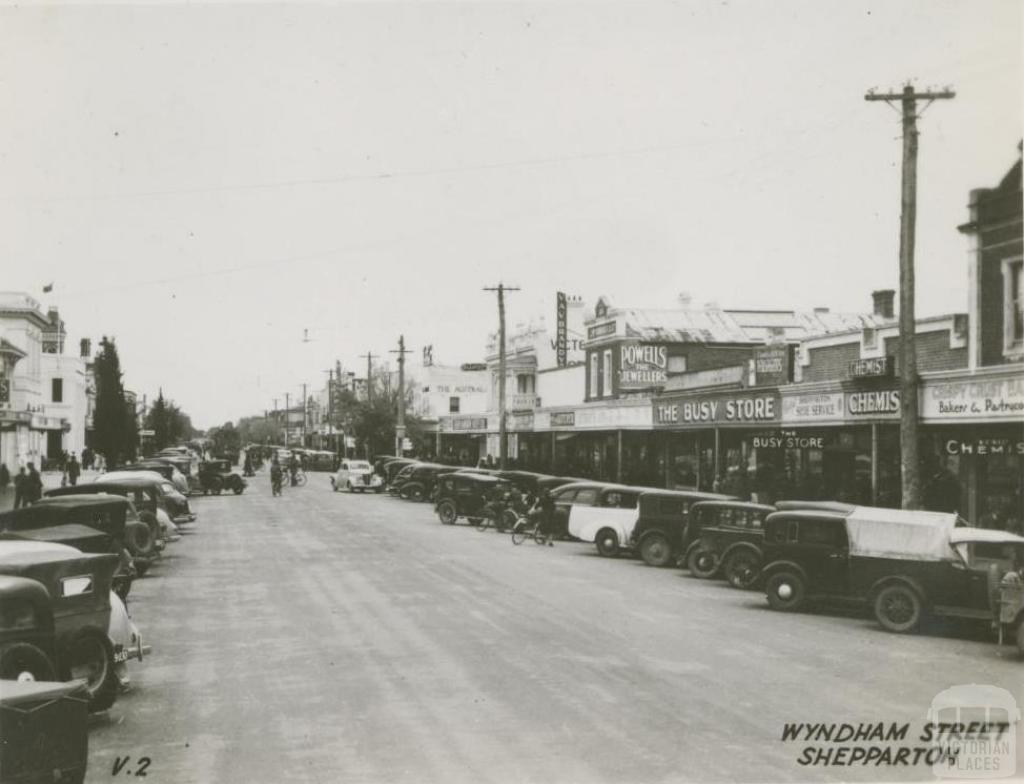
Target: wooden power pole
(910,466)
(501,288)
(400,424)
(369,398)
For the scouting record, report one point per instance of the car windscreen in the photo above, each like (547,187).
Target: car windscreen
(358,466)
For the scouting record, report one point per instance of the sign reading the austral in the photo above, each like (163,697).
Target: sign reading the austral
(642,365)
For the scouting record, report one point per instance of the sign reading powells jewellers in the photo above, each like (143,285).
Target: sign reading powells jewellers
(642,365)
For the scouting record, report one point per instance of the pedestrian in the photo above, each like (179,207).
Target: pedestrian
(19,488)
(247,466)
(33,485)
(5,477)
(74,470)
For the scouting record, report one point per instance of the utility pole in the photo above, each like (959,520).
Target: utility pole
(369,398)
(400,425)
(501,288)
(910,465)
(286,427)
(330,407)
(305,416)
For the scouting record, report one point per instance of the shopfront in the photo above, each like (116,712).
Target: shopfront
(973,452)
(611,441)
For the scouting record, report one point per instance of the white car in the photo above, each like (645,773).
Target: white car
(358,475)
(609,520)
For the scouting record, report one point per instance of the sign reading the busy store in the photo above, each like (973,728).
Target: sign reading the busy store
(642,365)
(772,365)
(873,367)
(720,409)
(601,330)
(788,439)
(563,418)
(879,402)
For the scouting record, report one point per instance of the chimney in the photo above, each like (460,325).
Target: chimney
(85,348)
(819,311)
(883,303)
(53,316)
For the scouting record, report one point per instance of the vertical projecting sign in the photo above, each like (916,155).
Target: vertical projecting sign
(562,333)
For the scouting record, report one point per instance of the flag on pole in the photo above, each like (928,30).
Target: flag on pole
(48,288)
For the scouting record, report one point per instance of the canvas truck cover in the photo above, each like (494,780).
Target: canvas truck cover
(898,533)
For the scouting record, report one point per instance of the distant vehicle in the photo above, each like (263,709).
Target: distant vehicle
(217,475)
(466,495)
(660,534)
(358,475)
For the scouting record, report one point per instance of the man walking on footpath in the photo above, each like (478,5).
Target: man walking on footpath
(33,485)
(19,488)
(74,470)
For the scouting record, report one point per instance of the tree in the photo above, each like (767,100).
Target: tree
(114,428)
(170,425)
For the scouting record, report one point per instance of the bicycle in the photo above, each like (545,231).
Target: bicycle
(299,480)
(525,528)
(507,520)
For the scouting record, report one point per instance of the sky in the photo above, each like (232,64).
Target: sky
(209,183)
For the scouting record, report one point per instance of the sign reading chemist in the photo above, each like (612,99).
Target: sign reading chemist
(642,365)
(722,409)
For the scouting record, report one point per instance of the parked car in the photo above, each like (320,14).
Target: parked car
(141,491)
(660,533)
(45,730)
(174,503)
(419,484)
(390,468)
(187,466)
(92,524)
(167,470)
(726,538)
(565,496)
(217,475)
(355,475)
(57,616)
(609,520)
(400,477)
(903,564)
(466,495)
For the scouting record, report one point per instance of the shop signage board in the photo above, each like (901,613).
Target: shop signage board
(606,417)
(873,367)
(772,365)
(561,330)
(721,409)
(601,330)
(522,421)
(716,377)
(821,407)
(469,423)
(788,439)
(562,418)
(873,404)
(984,446)
(973,398)
(642,365)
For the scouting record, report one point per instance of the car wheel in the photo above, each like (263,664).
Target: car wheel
(348,486)
(416,494)
(607,542)
(90,656)
(138,539)
(785,591)
(142,566)
(24,662)
(237,488)
(741,568)
(216,485)
(446,512)
(655,550)
(150,520)
(898,608)
(702,563)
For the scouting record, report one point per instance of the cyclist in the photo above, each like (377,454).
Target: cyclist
(495,507)
(544,513)
(293,469)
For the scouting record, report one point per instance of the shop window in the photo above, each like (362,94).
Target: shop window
(1013,306)
(606,373)
(677,364)
(593,375)
(453,405)
(524,384)
(57,390)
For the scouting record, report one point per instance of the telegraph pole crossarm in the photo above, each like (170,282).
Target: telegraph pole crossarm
(910,465)
(501,288)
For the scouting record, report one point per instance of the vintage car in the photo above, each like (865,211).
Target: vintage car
(187,466)
(142,492)
(659,536)
(609,520)
(379,461)
(357,475)
(725,538)
(167,470)
(56,619)
(1010,622)
(45,731)
(466,495)
(174,503)
(566,496)
(216,476)
(905,565)
(92,524)
(419,484)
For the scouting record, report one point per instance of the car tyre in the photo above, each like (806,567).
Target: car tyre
(446,512)
(25,662)
(785,591)
(90,655)
(138,539)
(702,563)
(898,608)
(416,494)
(741,568)
(607,542)
(655,550)
(237,488)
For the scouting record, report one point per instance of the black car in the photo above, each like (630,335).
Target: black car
(902,564)
(217,475)
(419,484)
(467,495)
(660,533)
(726,538)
